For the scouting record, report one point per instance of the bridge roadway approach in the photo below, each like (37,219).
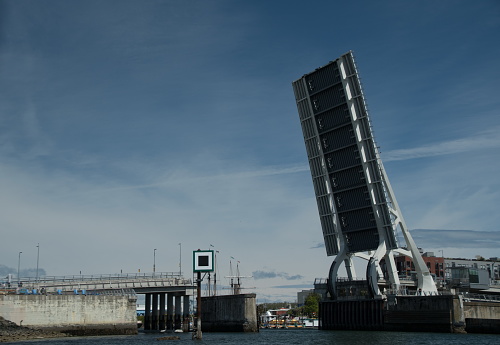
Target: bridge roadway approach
(166,293)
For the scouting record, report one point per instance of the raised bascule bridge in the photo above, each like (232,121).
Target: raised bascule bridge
(359,214)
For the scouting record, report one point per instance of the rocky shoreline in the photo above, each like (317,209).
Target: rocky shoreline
(10,332)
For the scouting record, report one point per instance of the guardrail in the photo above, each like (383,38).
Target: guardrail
(468,297)
(100,282)
(113,276)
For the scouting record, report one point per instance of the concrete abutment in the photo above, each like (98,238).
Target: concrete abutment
(444,313)
(73,314)
(229,313)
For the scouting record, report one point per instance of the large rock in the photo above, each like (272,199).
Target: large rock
(10,331)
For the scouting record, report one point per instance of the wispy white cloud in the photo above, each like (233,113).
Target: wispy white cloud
(269,274)
(294,286)
(481,141)
(189,177)
(225,209)
(456,238)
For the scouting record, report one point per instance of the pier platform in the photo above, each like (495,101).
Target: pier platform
(437,313)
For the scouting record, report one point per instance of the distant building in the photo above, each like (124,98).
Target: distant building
(467,278)
(436,266)
(321,287)
(273,314)
(472,273)
(491,265)
(302,295)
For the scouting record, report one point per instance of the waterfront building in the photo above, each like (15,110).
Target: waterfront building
(435,265)
(465,274)
(273,315)
(491,265)
(473,274)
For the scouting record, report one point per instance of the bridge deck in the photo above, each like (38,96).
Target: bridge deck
(140,282)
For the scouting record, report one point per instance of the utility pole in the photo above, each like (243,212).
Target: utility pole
(209,285)
(154,261)
(202,262)
(215,273)
(198,306)
(235,287)
(180,259)
(37,260)
(19,269)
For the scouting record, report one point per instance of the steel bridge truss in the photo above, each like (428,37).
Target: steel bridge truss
(358,211)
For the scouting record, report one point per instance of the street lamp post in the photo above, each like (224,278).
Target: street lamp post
(180,259)
(37,260)
(154,261)
(19,269)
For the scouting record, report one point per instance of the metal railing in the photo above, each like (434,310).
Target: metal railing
(98,277)
(469,297)
(52,284)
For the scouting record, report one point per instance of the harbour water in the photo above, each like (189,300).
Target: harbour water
(301,337)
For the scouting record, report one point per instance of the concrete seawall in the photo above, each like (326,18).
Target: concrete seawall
(73,314)
(420,314)
(445,313)
(481,317)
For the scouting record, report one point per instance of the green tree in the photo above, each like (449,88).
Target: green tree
(298,311)
(311,304)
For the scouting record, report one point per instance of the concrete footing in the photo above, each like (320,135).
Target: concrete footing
(411,314)
(230,313)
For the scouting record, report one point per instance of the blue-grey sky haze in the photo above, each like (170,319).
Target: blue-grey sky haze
(127,126)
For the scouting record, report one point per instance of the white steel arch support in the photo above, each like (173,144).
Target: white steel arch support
(373,270)
(334,268)
(425,282)
(392,270)
(349,266)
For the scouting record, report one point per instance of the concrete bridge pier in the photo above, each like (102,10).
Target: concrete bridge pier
(155,313)
(178,314)
(162,320)
(170,312)
(174,316)
(147,312)
(185,314)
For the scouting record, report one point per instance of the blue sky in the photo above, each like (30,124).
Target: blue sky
(132,125)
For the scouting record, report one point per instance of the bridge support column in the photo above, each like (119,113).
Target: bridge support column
(185,314)
(147,312)
(154,318)
(177,323)
(162,312)
(170,311)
